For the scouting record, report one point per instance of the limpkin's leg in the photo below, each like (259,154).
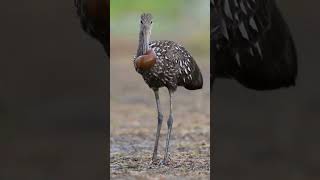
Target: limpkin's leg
(169,123)
(160,116)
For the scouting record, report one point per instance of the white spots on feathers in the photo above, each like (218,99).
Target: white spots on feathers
(243,7)
(253,24)
(251,52)
(257,45)
(243,31)
(227,9)
(152,44)
(174,65)
(238,59)
(236,3)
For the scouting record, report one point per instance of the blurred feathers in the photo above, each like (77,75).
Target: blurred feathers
(251,42)
(94,18)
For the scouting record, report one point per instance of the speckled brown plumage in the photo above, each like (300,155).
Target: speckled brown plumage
(174,67)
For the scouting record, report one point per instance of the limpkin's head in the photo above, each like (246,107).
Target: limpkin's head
(146,23)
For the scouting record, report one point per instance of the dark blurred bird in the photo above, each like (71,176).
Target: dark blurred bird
(94,18)
(164,64)
(251,42)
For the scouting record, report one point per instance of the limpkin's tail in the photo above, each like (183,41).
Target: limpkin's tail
(197,80)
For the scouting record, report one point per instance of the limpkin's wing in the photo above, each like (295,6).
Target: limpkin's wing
(251,42)
(189,72)
(174,61)
(94,19)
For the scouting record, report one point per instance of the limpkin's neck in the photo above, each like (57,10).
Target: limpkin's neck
(143,43)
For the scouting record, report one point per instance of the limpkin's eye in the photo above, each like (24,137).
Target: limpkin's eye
(151,22)
(141,22)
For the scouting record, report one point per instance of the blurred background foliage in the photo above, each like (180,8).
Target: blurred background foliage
(184,21)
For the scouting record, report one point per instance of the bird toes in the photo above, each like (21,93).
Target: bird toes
(164,162)
(154,161)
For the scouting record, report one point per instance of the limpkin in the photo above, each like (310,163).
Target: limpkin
(251,42)
(164,64)
(94,18)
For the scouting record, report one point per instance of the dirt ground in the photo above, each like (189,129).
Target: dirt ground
(133,127)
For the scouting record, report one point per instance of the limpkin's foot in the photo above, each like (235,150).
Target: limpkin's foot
(154,163)
(154,160)
(164,162)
